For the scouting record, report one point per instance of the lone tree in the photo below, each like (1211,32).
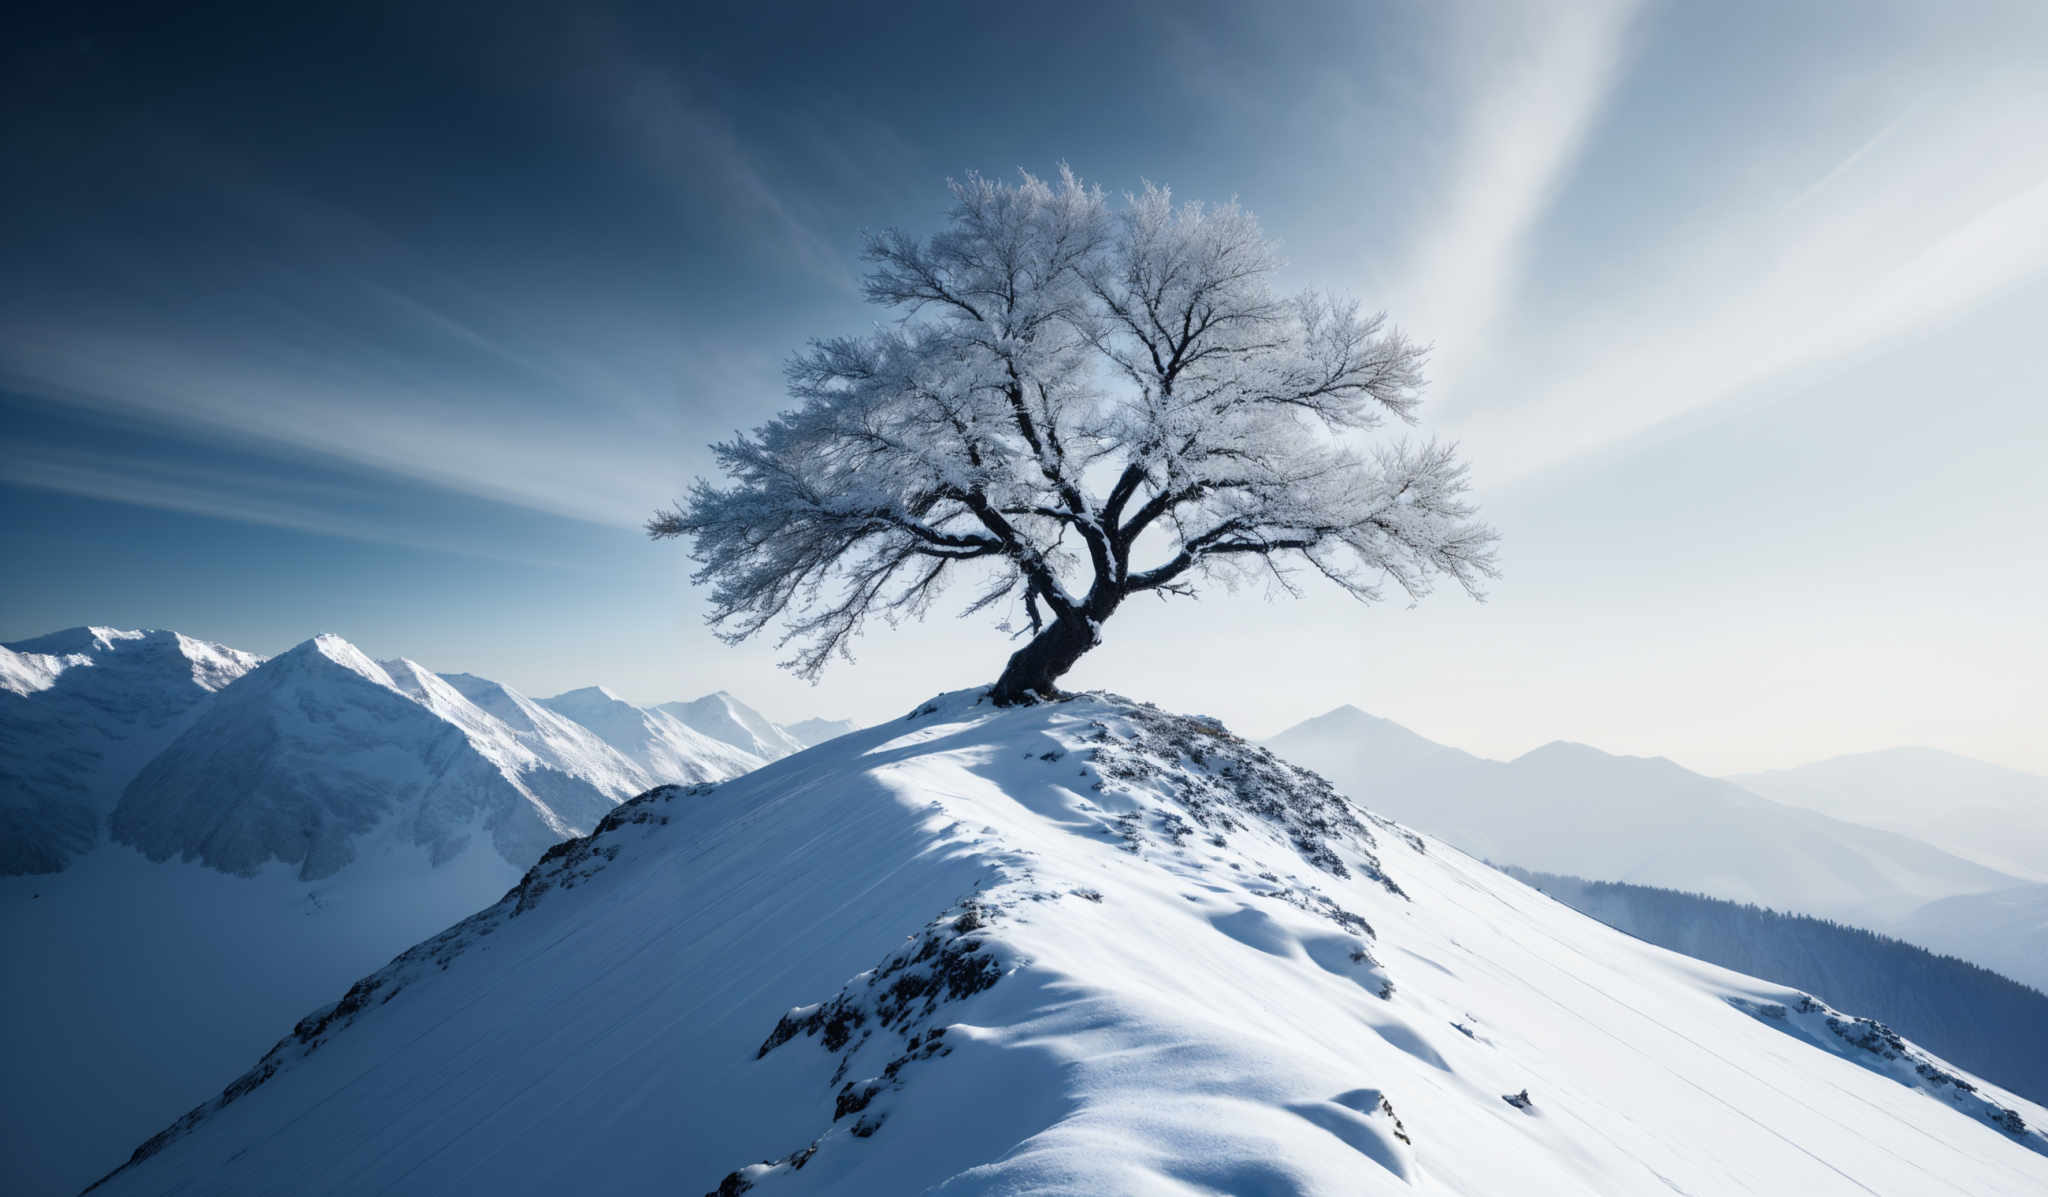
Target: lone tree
(1081,403)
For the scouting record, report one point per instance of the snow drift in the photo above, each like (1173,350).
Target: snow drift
(1081,947)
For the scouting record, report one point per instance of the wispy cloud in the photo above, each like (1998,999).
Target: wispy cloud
(262,497)
(1536,80)
(666,116)
(572,457)
(1944,207)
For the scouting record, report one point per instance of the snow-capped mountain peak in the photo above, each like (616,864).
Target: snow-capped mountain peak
(723,717)
(665,746)
(320,752)
(81,711)
(344,654)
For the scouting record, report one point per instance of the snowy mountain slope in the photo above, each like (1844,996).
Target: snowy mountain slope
(813,732)
(666,747)
(723,717)
(1568,808)
(319,750)
(1086,948)
(81,711)
(1984,812)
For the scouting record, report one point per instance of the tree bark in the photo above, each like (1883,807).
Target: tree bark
(1034,669)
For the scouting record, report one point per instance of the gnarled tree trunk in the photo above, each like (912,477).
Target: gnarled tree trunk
(1034,669)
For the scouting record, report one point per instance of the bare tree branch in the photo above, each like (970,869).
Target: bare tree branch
(970,431)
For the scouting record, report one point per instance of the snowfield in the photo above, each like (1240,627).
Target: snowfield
(1083,947)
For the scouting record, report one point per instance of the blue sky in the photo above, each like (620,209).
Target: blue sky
(397,323)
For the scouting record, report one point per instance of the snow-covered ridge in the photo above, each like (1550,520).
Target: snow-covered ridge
(1081,947)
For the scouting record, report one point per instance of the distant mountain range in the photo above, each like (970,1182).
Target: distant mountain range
(198,844)
(1571,809)
(1988,813)
(81,712)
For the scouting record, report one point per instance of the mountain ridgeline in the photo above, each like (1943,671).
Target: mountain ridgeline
(1987,1023)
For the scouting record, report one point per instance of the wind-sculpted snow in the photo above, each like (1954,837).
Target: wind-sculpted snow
(1082,947)
(81,711)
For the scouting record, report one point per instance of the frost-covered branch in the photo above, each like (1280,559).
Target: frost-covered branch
(1052,343)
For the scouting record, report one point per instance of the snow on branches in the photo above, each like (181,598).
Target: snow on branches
(1093,401)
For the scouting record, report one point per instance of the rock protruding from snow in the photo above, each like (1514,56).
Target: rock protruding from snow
(667,748)
(320,750)
(81,712)
(1077,947)
(1877,1047)
(723,717)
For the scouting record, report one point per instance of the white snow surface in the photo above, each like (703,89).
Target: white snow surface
(1083,947)
(662,744)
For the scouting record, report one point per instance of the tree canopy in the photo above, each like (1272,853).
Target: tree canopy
(1081,402)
